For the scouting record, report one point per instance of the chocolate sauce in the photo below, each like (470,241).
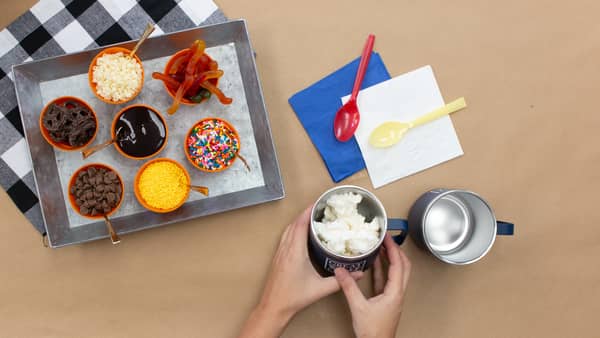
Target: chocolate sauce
(140,132)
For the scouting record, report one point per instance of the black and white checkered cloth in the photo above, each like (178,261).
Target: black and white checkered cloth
(55,27)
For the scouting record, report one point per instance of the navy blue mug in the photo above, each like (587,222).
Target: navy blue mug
(326,261)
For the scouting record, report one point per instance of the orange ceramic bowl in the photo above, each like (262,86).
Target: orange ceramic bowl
(72,198)
(65,146)
(187,136)
(93,85)
(113,131)
(166,71)
(138,194)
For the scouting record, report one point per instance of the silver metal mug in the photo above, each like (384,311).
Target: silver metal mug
(326,261)
(456,226)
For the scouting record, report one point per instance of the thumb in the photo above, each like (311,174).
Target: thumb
(353,294)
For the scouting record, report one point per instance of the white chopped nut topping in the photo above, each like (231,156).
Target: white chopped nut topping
(117,76)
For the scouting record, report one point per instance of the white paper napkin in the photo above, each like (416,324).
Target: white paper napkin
(405,98)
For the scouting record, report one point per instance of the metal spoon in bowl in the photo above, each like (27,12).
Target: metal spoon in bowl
(91,150)
(114,238)
(200,189)
(149,29)
(389,133)
(87,152)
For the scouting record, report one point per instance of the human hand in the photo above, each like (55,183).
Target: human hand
(293,283)
(378,317)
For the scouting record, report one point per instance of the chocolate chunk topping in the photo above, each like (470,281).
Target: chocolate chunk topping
(97,191)
(71,123)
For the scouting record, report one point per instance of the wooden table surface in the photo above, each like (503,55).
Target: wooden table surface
(530,72)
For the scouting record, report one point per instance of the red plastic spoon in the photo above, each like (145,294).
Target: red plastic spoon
(347,118)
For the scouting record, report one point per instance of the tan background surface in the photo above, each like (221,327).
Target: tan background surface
(530,72)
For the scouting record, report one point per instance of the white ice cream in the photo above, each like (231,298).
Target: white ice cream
(343,230)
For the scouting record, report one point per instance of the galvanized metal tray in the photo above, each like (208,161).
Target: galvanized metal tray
(40,81)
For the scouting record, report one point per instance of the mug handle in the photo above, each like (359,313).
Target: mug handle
(398,224)
(505,228)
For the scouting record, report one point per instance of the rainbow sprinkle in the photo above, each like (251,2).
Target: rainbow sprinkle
(212,144)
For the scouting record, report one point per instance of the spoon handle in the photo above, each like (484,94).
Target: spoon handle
(89,151)
(149,29)
(362,67)
(202,190)
(244,161)
(114,238)
(450,108)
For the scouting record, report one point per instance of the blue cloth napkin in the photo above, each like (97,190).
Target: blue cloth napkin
(316,106)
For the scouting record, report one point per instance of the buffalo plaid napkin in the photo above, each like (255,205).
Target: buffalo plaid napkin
(55,27)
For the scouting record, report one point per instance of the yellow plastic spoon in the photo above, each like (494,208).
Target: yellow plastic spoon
(389,133)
